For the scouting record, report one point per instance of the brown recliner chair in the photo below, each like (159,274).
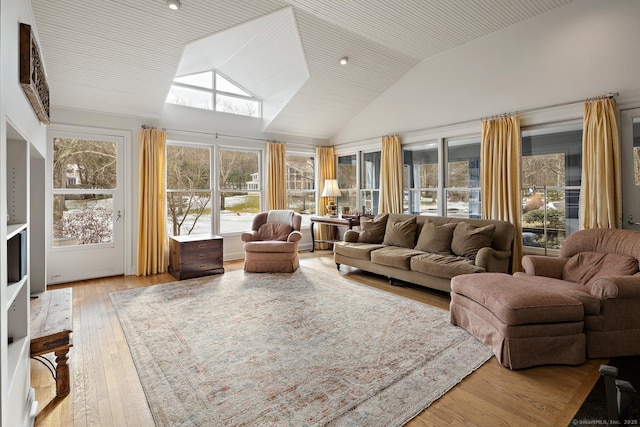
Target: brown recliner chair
(272,244)
(598,267)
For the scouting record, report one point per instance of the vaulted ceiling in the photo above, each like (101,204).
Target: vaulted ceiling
(120,56)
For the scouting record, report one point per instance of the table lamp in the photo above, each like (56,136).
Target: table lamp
(331,191)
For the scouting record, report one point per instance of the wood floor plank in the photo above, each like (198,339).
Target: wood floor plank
(106,391)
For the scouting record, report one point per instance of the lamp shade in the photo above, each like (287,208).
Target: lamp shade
(331,188)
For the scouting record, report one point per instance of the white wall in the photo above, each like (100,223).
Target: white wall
(584,49)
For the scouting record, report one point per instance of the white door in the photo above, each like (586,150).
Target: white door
(630,143)
(86,214)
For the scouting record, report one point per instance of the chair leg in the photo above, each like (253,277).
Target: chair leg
(609,373)
(619,394)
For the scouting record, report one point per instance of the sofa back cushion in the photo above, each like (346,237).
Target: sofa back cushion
(401,233)
(469,239)
(372,230)
(586,267)
(436,238)
(274,231)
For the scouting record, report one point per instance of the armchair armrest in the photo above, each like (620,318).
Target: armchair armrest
(537,265)
(351,236)
(294,236)
(619,287)
(249,236)
(492,260)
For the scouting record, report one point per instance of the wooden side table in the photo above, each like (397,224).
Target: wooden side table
(51,323)
(195,255)
(349,223)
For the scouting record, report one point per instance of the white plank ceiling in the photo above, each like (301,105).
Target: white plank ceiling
(120,56)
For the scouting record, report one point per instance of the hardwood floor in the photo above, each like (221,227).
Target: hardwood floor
(105,390)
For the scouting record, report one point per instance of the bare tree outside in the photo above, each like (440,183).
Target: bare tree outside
(188,187)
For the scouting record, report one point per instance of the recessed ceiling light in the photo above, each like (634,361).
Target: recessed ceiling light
(344,60)
(173,4)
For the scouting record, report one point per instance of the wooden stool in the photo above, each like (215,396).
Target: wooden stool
(51,325)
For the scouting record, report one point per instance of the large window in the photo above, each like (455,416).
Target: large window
(462,192)
(213,91)
(240,186)
(301,193)
(420,179)
(192,195)
(347,174)
(189,192)
(551,175)
(370,182)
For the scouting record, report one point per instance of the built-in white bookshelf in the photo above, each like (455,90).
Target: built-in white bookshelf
(17,394)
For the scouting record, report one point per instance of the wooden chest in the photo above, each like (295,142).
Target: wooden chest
(195,255)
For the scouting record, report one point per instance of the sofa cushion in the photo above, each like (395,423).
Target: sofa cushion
(401,233)
(356,250)
(586,267)
(436,238)
(469,239)
(592,305)
(446,266)
(394,256)
(274,231)
(372,230)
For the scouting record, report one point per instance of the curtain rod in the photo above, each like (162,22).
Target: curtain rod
(222,134)
(464,122)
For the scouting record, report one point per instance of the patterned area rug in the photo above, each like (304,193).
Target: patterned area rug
(301,349)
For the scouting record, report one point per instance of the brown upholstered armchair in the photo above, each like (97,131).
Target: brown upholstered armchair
(272,244)
(598,267)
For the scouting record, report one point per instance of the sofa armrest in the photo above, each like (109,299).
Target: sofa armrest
(619,287)
(351,236)
(294,236)
(249,236)
(546,266)
(492,260)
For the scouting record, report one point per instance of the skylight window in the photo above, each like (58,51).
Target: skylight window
(213,91)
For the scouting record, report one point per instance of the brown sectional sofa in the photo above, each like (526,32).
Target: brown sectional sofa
(427,250)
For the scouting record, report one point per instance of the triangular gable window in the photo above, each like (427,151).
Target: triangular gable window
(213,91)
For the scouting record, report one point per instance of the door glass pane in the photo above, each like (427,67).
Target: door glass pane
(240,189)
(82,219)
(79,163)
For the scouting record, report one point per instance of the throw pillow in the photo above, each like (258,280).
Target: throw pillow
(372,230)
(586,267)
(401,233)
(469,239)
(274,231)
(436,238)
